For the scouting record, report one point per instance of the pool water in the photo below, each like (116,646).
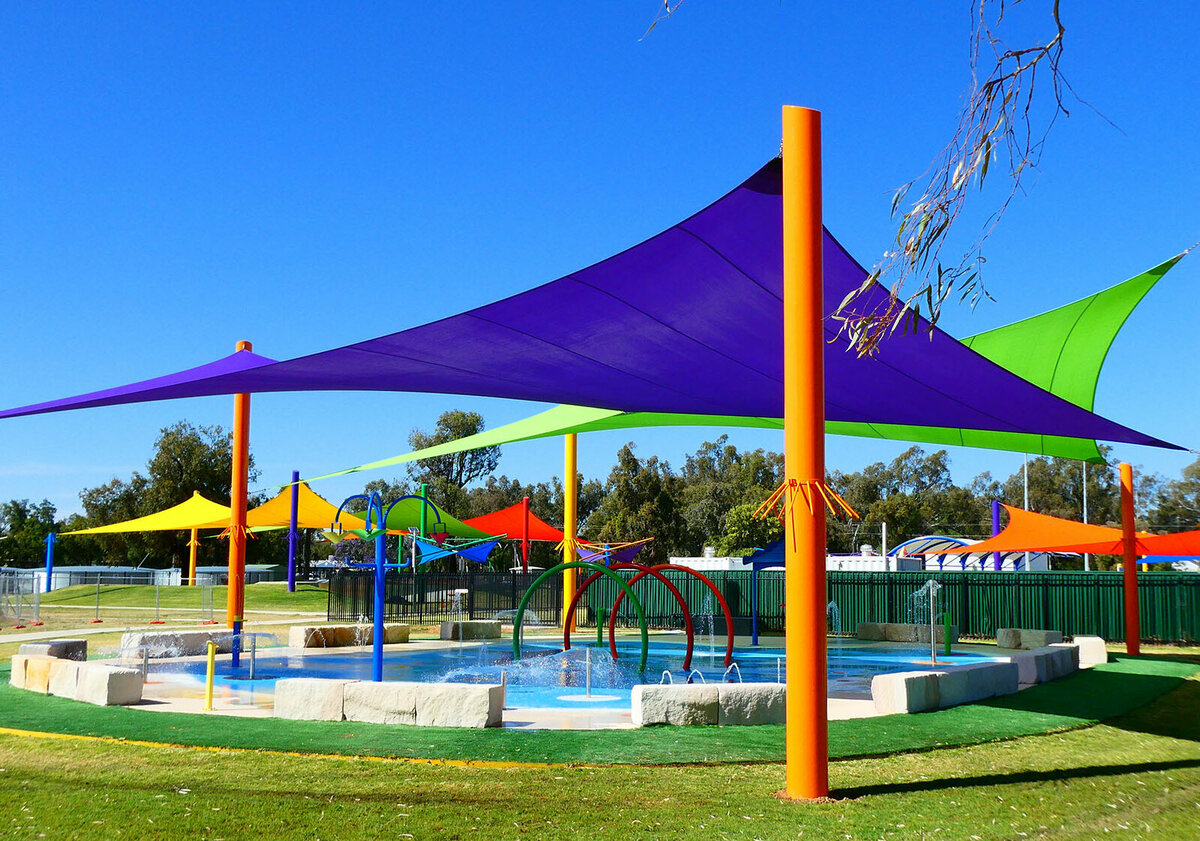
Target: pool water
(545,676)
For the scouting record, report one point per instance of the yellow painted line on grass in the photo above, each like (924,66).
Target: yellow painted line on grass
(412,760)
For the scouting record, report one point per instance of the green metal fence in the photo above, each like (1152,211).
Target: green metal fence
(979,602)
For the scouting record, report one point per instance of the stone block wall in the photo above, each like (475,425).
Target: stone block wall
(391,702)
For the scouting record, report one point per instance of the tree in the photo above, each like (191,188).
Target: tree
(641,500)
(25,525)
(914,495)
(1176,504)
(744,532)
(185,459)
(455,469)
(717,479)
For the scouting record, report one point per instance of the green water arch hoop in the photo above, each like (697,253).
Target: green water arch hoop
(618,580)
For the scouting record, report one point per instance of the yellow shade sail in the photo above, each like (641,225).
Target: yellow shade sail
(194,513)
(312,511)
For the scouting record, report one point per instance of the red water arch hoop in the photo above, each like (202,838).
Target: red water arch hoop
(612,622)
(643,571)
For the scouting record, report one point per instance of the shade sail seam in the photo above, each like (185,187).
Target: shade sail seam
(732,264)
(679,332)
(1062,349)
(406,357)
(593,360)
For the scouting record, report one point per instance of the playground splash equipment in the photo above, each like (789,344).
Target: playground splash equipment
(734,244)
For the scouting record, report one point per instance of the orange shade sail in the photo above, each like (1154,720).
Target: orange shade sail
(1030,532)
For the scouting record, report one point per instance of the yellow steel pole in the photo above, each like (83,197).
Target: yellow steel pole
(193,548)
(208,675)
(570,524)
(807,736)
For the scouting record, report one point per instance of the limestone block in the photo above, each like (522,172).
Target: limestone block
(460,704)
(899,632)
(1031,638)
(939,633)
(64,678)
(333,636)
(871,631)
(388,702)
(685,704)
(905,692)
(955,687)
(37,672)
(474,629)
(751,703)
(1008,637)
(108,686)
(20,663)
(975,682)
(66,649)
(1063,660)
(310,698)
(1027,667)
(1092,651)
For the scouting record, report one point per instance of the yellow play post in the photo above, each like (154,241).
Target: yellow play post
(1133,625)
(807,735)
(570,526)
(208,675)
(237,512)
(193,548)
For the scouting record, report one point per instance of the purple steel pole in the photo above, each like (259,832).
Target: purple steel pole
(996,564)
(292,535)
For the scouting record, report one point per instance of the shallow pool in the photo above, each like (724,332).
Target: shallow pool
(548,677)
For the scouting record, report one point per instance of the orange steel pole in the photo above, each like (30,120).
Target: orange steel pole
(1133,625)
(807,737)
(237,505)
(570,524)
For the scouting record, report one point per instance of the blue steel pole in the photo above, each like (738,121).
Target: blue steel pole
(292,535)
(50,540)
(380,576)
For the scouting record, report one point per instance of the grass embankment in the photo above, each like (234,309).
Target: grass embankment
(1091,696)
(1135,777)
(264,596)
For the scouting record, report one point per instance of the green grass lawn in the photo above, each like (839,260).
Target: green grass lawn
(1137,776)
(264,596)
(1090,696)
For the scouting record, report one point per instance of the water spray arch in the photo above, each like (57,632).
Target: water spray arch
(618,580)
(643,570)
(612,621)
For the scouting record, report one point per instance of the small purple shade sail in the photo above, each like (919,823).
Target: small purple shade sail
(689,321)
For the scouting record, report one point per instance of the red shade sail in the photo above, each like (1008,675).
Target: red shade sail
(511,521)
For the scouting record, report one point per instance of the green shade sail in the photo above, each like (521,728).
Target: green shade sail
(1062,351)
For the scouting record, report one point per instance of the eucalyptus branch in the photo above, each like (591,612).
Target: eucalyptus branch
(995,123)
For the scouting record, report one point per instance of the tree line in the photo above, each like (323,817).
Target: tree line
(709,501)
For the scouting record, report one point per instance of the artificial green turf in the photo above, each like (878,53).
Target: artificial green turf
(1094,695)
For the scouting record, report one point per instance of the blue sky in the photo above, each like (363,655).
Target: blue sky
(173,179)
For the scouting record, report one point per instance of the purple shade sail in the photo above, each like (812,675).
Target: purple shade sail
(188,383)
(689,321)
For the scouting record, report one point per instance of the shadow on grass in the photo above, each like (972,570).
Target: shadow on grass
(1047,776)
(1103,692)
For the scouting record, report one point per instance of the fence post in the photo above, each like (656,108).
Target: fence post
(470,593)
